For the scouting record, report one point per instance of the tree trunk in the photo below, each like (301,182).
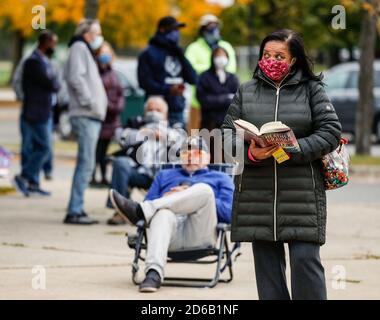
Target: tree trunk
(251,35)
(91,9)
(18,46)
(364,112)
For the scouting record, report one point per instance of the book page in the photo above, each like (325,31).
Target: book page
(274,126)
(247,126)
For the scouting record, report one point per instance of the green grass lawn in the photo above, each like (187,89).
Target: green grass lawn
(365,160)
(61,147)
(5,72)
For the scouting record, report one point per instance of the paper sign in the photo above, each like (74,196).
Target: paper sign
(280,155)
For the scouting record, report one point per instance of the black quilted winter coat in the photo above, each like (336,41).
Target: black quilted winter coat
(287,201)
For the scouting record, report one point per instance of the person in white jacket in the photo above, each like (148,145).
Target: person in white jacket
(87,109)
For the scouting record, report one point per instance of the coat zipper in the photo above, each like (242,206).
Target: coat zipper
(275,176)
(278,88)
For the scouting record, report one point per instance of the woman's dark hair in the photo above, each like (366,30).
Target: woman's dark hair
(297,50)
(214,52)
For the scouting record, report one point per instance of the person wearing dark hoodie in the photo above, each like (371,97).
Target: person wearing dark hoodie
(215,89)
(163,68)
(87,109)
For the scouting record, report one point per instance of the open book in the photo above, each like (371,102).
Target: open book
(271,133)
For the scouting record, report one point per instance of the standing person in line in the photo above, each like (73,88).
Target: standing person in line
(199,54)
(87,109)
(47,167)
(163,68)
(215,89)
(115,97)
(283,203)
(39,86)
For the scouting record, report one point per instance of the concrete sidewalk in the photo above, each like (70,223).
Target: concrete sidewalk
(8,98)
(94,262)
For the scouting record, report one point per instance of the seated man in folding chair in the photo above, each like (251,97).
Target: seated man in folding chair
(182,209)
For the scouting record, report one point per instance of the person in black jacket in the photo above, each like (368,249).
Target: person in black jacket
(215,89)
(40,84)
(164,70)
(283,203)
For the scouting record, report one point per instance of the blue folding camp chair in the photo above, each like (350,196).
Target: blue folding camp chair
(220,253)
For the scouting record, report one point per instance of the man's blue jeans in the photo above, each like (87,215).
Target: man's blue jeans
(124,176)
(177,118)
(87,133)
(35,149)
(48,165)
(26,147)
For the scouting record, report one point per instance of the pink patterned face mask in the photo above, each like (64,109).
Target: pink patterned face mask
(274,69)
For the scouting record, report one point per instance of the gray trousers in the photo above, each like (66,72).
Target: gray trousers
(184,219)
(307,273)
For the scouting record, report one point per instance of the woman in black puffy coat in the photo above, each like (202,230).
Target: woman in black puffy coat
(283,203)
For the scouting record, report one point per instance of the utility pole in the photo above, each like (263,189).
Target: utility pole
(364,112)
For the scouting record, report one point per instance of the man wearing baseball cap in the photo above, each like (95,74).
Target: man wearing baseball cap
(199,54)
(181,208)
(163,68)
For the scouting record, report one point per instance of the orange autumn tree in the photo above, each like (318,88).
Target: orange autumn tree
(18,17)
(130,22)
(190,12)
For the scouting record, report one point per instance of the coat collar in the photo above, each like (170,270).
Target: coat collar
(294,77)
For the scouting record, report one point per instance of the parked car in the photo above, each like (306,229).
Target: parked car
(126,71)
(342,87)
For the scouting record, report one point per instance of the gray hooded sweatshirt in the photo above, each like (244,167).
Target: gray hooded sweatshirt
(87,94)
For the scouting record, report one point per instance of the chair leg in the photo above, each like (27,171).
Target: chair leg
(199,282)
(228,261)
(135,264)
(189,282)
(214,282)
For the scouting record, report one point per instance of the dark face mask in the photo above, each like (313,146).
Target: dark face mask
(173,36)
(212,36)
(49,52)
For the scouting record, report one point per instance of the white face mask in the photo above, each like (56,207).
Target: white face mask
(220,62)
(154,116)
(96,43)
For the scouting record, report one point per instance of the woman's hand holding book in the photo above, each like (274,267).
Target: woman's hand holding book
(259,153)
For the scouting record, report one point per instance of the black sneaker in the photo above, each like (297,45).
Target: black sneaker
(130,210)
(151,283)
(36,190)
(82,219)
(48,176)
(21,185)
(93,183)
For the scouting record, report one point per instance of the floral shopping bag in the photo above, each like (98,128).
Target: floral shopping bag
(335,167)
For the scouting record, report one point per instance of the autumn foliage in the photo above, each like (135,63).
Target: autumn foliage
(125,22)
